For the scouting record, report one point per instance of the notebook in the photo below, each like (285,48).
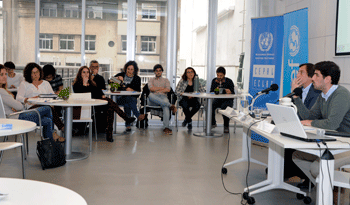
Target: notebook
(289,125)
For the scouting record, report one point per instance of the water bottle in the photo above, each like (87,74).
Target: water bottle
(196,84)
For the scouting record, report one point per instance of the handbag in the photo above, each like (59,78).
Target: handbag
(50,153)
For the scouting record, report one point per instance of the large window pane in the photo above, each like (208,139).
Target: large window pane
(151,37)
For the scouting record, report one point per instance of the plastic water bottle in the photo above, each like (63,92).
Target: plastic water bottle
(196,84)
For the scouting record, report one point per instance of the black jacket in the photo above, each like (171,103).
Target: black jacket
(135,84)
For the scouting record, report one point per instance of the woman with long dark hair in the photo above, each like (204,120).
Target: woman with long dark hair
(186,84)
(83,83)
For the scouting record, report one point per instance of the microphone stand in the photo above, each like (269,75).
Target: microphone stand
(253,101)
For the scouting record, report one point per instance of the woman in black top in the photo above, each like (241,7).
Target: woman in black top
(83,83)
(131,82)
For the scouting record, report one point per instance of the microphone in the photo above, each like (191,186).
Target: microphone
(296,91)
(273,87)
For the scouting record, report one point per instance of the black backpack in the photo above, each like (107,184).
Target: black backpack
(50,153)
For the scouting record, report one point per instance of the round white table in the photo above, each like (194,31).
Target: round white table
(209,96)
(114,96)
(24,191)
(68,120)
(18,126)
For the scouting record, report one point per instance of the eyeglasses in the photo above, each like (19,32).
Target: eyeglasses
(189,72)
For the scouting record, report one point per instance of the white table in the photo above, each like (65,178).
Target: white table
(114,96)
(68,119)
(209,96)
(277,144)
(18,126)
(24,191)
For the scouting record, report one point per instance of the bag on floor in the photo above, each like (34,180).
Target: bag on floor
(50,153)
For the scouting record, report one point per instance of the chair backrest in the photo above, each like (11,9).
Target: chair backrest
(85,110)
(2,109)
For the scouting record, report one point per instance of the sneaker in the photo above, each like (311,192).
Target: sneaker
(173,109)
(168,131)
(189,126)
(141,117)
(128,129)
(213,126)
(184,123)
(109,137)
(226,129)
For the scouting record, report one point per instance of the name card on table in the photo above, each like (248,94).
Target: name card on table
(5,127)
(228,112)
(267,127)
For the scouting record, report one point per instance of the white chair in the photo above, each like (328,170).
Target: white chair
(25,140)
(11,145)
(85,115)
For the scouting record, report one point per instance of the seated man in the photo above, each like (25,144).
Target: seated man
(332,108)
(54,79)
(159,87)
(99,80)
(13,79)
(225,86)
(309,96)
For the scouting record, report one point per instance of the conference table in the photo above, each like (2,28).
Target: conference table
(277,144)
(209,96)
(114,96)
(24,191)
(68,120)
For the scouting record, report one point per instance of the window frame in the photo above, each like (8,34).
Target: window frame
(96,10)
(67,42)
(149,42)
(50,7)
(148,7)
(88,43)
(43,40)
(71,8)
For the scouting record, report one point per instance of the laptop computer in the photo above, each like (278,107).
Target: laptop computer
(289,125)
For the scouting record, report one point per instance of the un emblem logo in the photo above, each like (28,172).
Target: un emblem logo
(294,40)
(265,41)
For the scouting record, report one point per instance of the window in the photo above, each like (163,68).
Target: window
(148,44)
(45,41)
(71,11)
(124,43)
(94,12)
(67,42)
(149,11)
(125,10)
(49,10)
(90,42)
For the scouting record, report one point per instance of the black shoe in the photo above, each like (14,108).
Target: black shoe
(305,185)
(189,126)
(184,123)
(128,129)
(130,120)
(109,138)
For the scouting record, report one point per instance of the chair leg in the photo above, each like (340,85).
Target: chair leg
(234,130)
(22,155)
(339,192)
(90,136)
(93,108)
(27,144)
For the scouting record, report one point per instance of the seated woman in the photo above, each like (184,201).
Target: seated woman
(83,83)
(186,84)
(131,82)
(34,85)
(11,105)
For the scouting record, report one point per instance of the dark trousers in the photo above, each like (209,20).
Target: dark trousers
(111,108)
(186,104)
(290,168)
(222,104)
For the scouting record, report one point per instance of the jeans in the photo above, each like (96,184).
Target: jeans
(222,104)
(46,119)
(162,101)
(129,104)
(186,104)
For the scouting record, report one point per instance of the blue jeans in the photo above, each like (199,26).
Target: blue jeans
(129,104)
(46,119)
(162,101)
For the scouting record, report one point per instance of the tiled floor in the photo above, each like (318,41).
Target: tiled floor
(147,167)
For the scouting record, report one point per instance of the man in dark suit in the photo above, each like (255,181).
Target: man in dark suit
(309,96)
(99,80)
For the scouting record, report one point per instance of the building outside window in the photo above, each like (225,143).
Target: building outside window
(90,42)
(67,42)
(125,10)
(49,10)
(45,41)
(94,12)
(149,11)
(124,43)
(148,44)
(71,10)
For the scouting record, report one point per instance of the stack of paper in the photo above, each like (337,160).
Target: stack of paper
(228,112)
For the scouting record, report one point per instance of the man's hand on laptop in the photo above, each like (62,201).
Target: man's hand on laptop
(306,122)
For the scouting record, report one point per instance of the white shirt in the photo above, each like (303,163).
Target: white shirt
(305,92)
(15,80)
(330,92)
(28,90)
